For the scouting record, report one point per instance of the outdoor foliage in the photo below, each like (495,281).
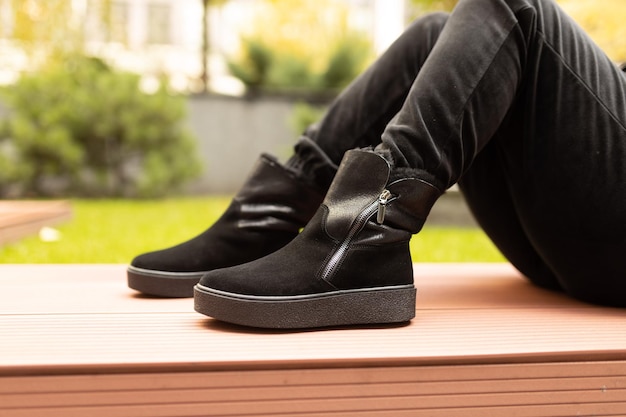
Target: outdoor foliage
(430,5)
(80,128)
(262,66)
(309,46)
(304,115)
(35,22)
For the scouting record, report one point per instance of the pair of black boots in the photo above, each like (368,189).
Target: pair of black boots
(350,264)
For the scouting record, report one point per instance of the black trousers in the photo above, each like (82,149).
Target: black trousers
(511,100)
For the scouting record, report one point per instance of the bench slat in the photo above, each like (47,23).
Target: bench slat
(76,341)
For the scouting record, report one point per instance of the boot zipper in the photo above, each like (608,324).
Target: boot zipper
(357,225)
(383,199)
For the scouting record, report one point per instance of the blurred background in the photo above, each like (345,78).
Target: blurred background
(142,97)
(146,113)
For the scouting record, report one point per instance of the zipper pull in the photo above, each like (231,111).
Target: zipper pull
(383,199)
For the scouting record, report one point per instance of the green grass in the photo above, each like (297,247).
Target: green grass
(114,231)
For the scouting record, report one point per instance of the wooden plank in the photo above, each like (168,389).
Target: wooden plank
(76,341)
(527,373)
(289,404)
(505,390)
(66,318)
(482,392)
(23,217)
(432,379)
(449,405)
(166,340)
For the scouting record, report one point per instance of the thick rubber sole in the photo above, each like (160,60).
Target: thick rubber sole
(339,308)
(163,283)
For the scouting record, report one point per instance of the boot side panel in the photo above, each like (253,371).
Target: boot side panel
(370,266)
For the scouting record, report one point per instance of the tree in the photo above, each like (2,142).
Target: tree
(300,46)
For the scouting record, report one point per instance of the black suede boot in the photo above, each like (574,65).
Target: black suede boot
(267,213)
(350,265)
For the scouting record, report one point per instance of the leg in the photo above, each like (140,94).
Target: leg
(488,196)
(554,107)
(357,118)
(516,68)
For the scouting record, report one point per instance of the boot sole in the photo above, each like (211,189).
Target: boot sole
(339,308)
(163,283)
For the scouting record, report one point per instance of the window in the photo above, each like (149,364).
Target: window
(6,19)
(107,21)
(118,25)
(159,24)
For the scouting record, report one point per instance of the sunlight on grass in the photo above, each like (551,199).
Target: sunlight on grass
(447,244)
(114,231)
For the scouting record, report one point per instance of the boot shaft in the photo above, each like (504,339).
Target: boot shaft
(371,221)
(274,197)
(361,194)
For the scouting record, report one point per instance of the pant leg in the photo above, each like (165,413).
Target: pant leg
(488,196)
(520,73)
(358,116)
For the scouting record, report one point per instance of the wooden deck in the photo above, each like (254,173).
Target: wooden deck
(74,341)
(23,218)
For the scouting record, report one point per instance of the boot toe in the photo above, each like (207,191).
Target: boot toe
(151,261)
(155,273)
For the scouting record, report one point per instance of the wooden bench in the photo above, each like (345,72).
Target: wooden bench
(22,218)
(74,341)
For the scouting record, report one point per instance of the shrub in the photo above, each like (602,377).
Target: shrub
(345,62)
(261,67)
(304,115)
(254,64)
(81,128)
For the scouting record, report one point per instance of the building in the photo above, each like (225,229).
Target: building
(163,37)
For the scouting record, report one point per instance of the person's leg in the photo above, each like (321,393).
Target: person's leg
(557,108)
(277,201)
(519,68)
(359,115)
(486,191)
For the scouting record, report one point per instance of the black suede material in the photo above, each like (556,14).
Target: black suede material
(375,266)
(284,272)
(265,215)
(223,244)
(354,253)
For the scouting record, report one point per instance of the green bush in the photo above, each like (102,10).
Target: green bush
(262,67)
(253,66)
(345,62)
(304,115)
(81,128)
(288,72)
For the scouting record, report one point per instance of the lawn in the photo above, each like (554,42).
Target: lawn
(113,231)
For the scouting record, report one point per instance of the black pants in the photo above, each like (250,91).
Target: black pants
(512,101)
